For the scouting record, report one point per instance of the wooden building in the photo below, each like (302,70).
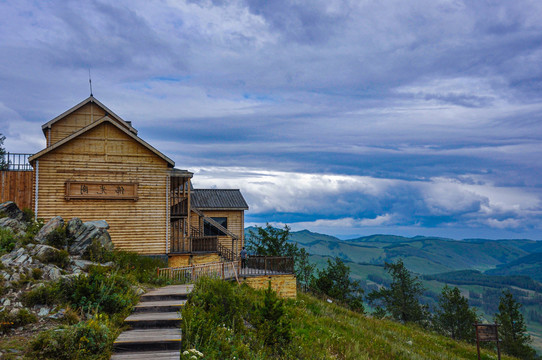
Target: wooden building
(95,166)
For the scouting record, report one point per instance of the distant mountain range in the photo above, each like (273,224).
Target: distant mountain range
(430,255)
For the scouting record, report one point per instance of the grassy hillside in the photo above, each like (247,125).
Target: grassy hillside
(224,320)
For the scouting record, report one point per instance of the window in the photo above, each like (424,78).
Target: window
(210,230)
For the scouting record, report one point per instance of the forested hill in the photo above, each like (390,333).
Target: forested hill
(429,255)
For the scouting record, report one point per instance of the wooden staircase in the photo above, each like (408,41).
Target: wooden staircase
(154,327)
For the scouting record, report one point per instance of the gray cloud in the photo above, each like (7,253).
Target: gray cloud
(389,90)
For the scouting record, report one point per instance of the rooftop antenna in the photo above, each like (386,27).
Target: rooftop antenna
(90,81)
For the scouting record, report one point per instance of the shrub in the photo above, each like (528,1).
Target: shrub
(60,258)
(96,252)
(142,268)
(100,291)
(37,273)
(9,321)
(91,339)
(46,294)
(59,238)
(223,320)
(32,229)
(7,240)
(25,317)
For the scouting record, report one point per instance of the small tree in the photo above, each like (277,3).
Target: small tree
(271,241)
(272,322)
(454,317)
(304,269)
(401,300)
(512,329)
(334,281)
(3,162)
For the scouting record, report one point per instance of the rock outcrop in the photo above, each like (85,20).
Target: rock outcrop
(85,233)
(11,217)
(41,262)
(52,225)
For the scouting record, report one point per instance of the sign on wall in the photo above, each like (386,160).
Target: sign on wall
(101,190)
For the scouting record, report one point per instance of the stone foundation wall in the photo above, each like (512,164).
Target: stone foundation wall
(284,285)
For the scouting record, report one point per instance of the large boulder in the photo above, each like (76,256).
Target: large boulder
(17,226)
(11,210)
(85,233)
(11,217)
(52,225)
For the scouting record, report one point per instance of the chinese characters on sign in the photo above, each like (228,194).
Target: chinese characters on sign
(100,190)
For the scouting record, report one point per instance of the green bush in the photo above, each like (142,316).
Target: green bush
(60,258)
(97,253)
(25,317)
(46,294)
(9,321)
(7,240)
(223,320)
(91,339)
(100,291)
(32,228)
(37,273)
(59,238)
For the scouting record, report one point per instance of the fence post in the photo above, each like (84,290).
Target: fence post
(222,271)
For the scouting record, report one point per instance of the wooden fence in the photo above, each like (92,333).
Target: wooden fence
(16,186)
(256,266)
(190,274)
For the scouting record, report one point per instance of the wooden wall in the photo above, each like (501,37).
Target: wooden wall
(16,186)
(106,154)
(236,224)
(74,122)
(183,260)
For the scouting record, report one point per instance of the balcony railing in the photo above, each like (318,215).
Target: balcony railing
(15,162)
(268,265)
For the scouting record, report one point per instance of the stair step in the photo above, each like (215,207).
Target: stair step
(148,355)
(145,320)
(147,340)
(173,292)
(159,306)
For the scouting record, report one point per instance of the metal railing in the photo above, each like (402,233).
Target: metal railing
(256,266)
(15,162)
(226,253)
(268,265)
(190,274)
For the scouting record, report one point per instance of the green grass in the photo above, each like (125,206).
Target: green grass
(221,321)
(336,332)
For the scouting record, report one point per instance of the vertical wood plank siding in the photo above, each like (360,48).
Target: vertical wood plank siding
(16,186)
(107,154)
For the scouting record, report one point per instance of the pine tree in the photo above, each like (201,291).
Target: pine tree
(454,317)
(271,241)
(512,330)
(401,300)
(334,281)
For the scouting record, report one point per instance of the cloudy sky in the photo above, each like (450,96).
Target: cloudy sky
(343,117)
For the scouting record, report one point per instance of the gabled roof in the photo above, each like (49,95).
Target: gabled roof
(92,126)
(90,99)
(218,199)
